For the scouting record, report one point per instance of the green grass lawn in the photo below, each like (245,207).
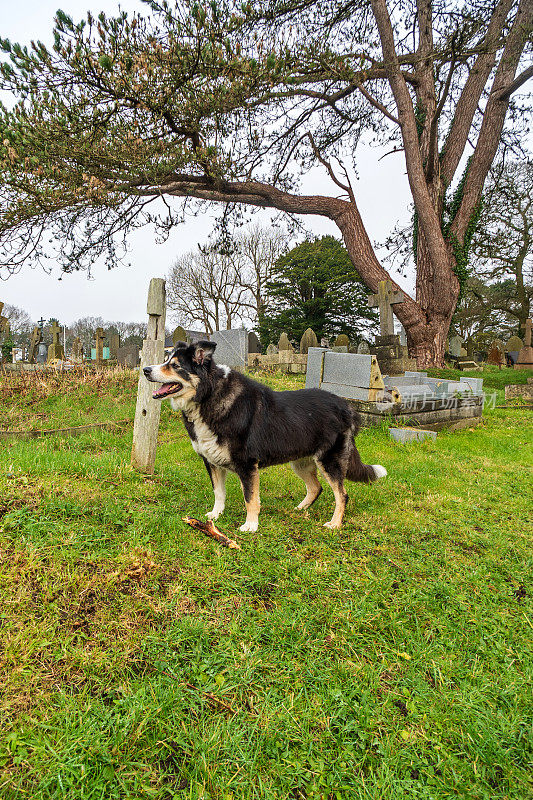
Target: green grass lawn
(391,659)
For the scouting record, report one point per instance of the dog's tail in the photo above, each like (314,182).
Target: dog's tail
(357,471)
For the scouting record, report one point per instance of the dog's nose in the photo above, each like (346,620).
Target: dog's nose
(147,371)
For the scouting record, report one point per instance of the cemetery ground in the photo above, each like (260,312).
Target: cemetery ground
(390,659)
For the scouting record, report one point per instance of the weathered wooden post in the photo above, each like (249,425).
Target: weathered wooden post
(148,410)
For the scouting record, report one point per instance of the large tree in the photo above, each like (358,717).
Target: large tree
(228,101)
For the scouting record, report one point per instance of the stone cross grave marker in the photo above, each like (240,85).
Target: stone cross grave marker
(525,356)
(148,410)
(99,335)
(385,299)
(55,350)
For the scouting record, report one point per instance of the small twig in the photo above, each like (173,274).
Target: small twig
(210,529)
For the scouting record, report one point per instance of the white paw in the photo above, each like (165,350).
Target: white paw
(215,513)
(249,526)
(301,506)
(332,524)
(379,471)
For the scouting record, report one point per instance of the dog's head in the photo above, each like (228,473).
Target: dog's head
(183,371)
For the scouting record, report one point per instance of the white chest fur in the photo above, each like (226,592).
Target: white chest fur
(206,443)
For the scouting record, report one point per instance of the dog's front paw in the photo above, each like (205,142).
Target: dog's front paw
(215,513)
(331,524)
(249,527)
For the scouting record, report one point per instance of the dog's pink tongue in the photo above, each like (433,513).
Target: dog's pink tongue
(167,388)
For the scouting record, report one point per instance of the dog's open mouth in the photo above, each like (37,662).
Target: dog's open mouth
(166,390)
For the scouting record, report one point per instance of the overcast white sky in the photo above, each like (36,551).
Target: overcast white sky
(382,194)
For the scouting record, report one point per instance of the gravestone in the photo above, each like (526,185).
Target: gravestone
(455,345)
(512,348)
(129,356)
(284,343)
(496,355)
(385,299)
(42,353)
(308,340)
(470,345)
(55,350)
(36,339)
(114,344)
(179,335)
(342,341)
(349,375)
(77,349)
(363,347)
(148,410)
(515,343)
(525,355)
(232,348)
(254,345)
(272,350)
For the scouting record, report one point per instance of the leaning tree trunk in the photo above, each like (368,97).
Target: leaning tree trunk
(426,320)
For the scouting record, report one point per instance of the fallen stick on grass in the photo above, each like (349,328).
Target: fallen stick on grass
(211,530)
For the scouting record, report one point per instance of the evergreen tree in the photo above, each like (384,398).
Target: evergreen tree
(316,286)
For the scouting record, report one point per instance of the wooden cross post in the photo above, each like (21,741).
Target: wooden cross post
(385,299)
(148,410)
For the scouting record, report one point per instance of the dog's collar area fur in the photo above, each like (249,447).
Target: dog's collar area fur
(166,390)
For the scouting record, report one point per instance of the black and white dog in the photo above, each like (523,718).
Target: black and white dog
(237,424)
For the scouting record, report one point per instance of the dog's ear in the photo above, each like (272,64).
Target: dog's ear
(203,352)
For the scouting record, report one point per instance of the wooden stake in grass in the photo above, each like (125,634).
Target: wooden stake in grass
(210,529)
(148,410)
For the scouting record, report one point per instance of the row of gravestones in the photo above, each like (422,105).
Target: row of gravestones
(40,352)
(309,339)
(233,342)
(497,350)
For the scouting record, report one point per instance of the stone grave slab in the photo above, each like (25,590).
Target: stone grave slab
(406,435)
(351,375)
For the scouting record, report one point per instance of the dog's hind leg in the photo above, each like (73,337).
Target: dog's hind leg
(250,490)
(218,479)
(333,465)
(305,468)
